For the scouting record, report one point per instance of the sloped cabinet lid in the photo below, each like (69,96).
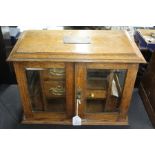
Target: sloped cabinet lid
(80,46)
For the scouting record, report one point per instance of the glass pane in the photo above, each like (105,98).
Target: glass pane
(104,90)
(47,89)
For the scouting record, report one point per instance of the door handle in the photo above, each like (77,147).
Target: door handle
(76,120)
(78,94)
(78,100)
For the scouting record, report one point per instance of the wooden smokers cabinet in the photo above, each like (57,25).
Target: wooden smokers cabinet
(54,68)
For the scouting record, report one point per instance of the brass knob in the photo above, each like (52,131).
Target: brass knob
(92,95)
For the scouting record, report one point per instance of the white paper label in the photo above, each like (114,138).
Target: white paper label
(76,120)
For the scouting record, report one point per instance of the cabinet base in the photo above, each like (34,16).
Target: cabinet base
(69,122)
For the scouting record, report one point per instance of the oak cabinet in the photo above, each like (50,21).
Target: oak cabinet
(56,69)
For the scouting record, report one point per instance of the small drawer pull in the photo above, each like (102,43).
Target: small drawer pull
(57,71)
(59,91)
(92,95)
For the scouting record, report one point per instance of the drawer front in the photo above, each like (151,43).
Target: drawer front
(53,74)
(54,88)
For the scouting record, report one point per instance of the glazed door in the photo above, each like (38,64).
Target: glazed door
(47,90)
(100,87)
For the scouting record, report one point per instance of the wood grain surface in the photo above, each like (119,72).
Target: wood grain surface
(106,45)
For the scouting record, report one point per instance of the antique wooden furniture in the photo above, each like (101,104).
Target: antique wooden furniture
(57,69)
(147,89)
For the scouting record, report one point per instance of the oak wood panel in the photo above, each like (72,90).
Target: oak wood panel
(128,89)
(70,89)
(80,84)
(102,119)
(107,66)
(114,58)
(68,122)
(43,91)
(22,84)
(53,84)
(43,65)
(52,41)
(45,45)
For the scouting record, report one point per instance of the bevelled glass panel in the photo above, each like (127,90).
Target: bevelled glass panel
(104,90)
(47,89)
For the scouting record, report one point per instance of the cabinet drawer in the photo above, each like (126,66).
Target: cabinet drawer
(53,74)
(54,88)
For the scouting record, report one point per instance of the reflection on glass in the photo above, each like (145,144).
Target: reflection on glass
(104,90)
(47,89)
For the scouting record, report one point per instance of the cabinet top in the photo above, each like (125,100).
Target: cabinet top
(76,46)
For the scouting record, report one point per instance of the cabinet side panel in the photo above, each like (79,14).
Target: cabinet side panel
(22,84)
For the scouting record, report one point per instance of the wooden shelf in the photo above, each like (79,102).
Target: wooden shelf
(97,94)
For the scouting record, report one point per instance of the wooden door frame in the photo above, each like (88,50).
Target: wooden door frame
(80,81)
(29,115)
